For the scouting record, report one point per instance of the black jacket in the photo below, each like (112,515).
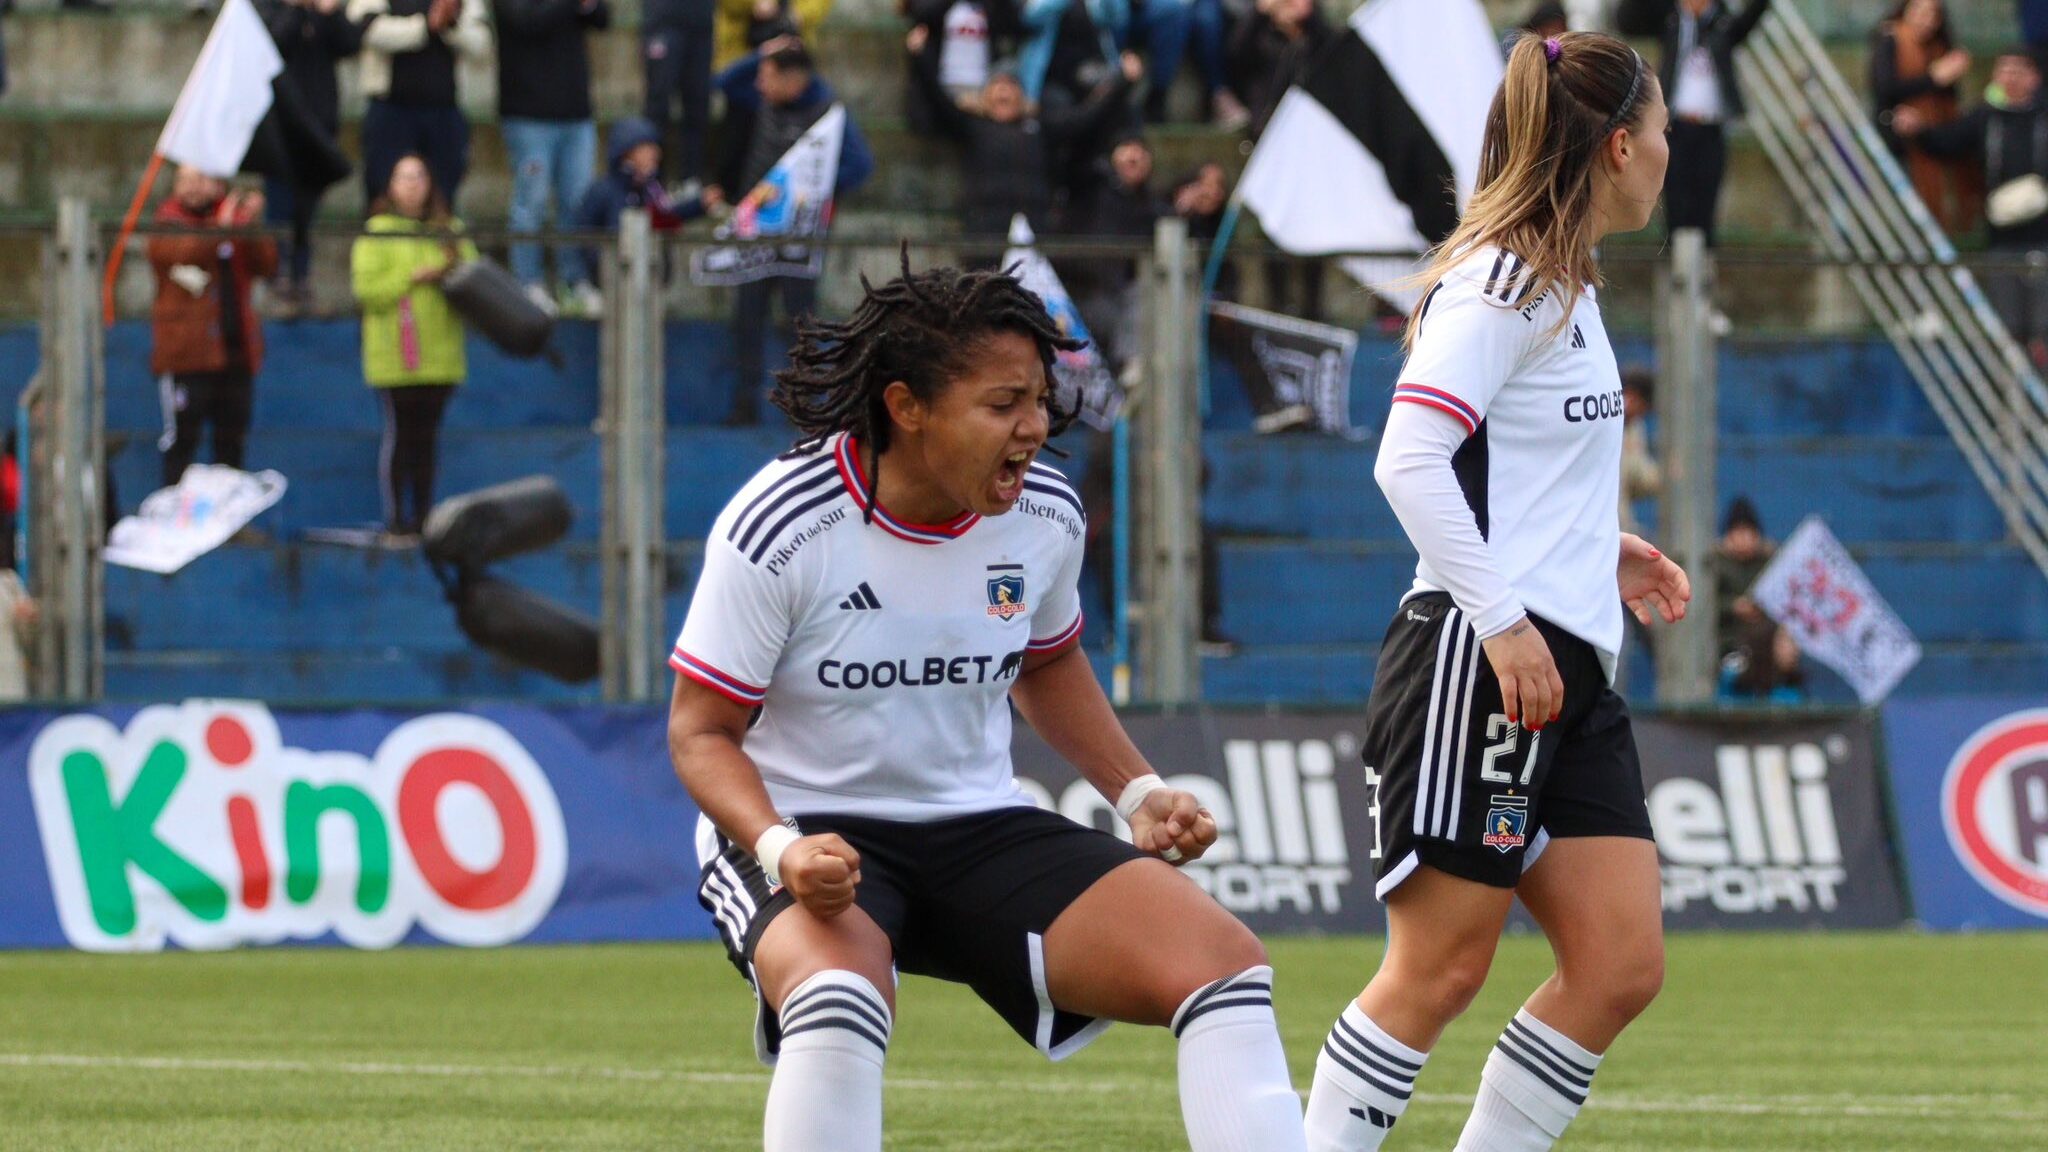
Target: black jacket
(1264,63)
(1114,212)
(1720,30)
(1009,167)
(312,44)
(2011,143)
(677,14)
(543,62)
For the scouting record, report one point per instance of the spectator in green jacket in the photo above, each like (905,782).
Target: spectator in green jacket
(412,341)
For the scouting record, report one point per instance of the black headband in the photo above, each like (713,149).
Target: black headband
(1628,102)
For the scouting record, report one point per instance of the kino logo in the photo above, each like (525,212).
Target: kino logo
(197,826)
(1994,803)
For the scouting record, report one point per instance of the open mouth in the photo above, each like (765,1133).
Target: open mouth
(1010,476)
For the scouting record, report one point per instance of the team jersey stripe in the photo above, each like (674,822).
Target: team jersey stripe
(773,534)
(1057,492)
(1438,398)
(809,470)
(732,687)
(1066,634)
(1507,284)
(825,481)
(1500,257)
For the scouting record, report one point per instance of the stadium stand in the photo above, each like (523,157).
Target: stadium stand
(1816,424)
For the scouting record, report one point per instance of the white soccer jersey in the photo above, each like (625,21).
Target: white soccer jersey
(1540,467)
(883,653)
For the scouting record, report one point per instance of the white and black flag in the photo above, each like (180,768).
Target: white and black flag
(1377,149)
(1287,362)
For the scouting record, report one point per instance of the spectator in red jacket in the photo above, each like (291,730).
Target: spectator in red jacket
(207,343)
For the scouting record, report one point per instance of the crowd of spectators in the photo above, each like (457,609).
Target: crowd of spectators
(1047,102)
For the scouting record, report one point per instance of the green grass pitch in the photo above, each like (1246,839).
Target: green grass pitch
(1779,1042)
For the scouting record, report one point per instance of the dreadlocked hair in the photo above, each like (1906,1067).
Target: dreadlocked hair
(923,328)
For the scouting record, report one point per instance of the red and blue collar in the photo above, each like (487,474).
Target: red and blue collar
(847,453)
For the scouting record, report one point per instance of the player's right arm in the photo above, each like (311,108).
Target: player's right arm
(705,728)
(741,617)
(1471,338)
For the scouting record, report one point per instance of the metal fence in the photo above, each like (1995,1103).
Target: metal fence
(642,378)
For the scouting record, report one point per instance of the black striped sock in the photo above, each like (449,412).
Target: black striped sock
(1535,1081)
(837,1000)
(1364,1079)
(1251,988)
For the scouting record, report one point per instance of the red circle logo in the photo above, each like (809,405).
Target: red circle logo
(1994,803)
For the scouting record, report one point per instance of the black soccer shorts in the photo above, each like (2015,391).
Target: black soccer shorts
(1460,789)
(967,899)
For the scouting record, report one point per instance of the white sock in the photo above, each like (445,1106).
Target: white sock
(826,1095)
(1235,1095)
(1363,1080)
(1534,1082)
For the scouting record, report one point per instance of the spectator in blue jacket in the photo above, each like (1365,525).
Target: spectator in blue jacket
(632,179)
(772,98)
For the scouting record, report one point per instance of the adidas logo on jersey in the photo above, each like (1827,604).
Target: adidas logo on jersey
(862,600)
(1578,337)
(1766,839)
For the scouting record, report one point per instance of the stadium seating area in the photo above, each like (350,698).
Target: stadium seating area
(1310,555)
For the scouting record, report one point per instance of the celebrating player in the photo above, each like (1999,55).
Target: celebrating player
(1515,774)
(871,605)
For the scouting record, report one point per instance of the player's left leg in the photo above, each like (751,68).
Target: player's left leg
(1599,901)
(1144,945)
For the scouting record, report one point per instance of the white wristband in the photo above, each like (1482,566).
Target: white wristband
(769,849)
(1134,794)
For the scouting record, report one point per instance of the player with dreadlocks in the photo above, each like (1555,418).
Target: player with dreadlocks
(871,605)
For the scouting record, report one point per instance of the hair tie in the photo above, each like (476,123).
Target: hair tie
(1552,49)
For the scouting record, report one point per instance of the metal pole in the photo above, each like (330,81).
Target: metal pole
(610,424)
(646,544)
(632,418)
(1687,656)
(66,458)
(1170,484)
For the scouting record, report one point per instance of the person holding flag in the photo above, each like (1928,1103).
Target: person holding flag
(773,99)
(207,344)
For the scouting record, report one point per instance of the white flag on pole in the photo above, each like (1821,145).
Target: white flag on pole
(1816,591)
(1083,379)
(1378,147)
(800,209)
(226,95)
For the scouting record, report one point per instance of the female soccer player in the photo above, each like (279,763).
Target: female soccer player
(871,605)
(1515,774)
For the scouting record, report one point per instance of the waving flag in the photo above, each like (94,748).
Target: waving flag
(799,209)
(226,95)
(1081,375)
(1377,149)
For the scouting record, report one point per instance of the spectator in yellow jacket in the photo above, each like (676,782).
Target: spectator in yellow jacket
(412,341)
(744,25)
